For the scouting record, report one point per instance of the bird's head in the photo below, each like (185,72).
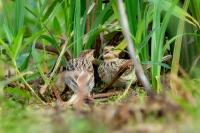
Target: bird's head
(88,54)
(109,53)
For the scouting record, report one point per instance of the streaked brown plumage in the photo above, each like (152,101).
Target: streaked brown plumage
(78,67)
(111,65)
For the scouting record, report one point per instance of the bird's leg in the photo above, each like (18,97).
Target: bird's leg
(57,94)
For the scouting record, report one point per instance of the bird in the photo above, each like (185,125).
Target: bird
(111,65)
(79,74)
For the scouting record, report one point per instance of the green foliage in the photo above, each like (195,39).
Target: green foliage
(26,23)
(158,28)
(77,29)
(157,40)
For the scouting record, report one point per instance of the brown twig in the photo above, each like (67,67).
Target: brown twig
(122,69)
(94,11)
(106,95)
(52,50)
(57,94)
(98,45)
(58,61)
(88,18)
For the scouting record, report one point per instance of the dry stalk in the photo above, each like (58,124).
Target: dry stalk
(138,67)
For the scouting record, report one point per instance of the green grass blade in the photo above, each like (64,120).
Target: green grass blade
(8,31)
(131,9)
(16,45)
(19,15)
(23,60)
(178,12)
(57,26)
(68,10)
(158,40)
(51,40)
(155,43)
(103,16)
(177,47)
(49,10)
(14,78)
(77,47)
(37,60)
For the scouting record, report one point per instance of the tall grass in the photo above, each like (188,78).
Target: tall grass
(157,41)
(177,47)
(80,23)
(43,23)
(158,13)
(77,28)
(24,23)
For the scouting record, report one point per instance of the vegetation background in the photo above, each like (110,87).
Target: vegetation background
(158,28)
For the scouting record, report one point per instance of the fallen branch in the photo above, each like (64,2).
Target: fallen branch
(106,95)
(121,70)
(52,50)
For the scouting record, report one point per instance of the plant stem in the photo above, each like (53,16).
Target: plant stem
(138,67)
(29,87)
(177,49)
